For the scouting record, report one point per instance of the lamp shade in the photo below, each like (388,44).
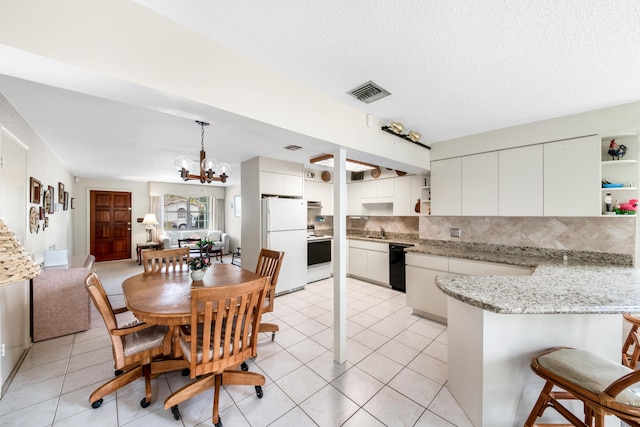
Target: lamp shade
(15,262)
(150,220)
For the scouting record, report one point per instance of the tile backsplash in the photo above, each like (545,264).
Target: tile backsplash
(592,234)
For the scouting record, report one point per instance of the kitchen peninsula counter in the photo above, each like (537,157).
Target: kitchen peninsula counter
(496,324)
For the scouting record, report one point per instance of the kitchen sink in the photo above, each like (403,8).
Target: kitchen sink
(377,238)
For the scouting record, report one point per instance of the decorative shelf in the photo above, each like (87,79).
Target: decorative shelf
(619,189)
(618,162)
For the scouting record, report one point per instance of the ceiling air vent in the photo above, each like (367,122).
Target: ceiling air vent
(292,147)
(369,92)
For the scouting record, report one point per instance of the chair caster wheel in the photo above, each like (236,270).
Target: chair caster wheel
(118,372)
(244,366)
(96,404)
(259,392)
(144,403)
(186,372)
(175,412)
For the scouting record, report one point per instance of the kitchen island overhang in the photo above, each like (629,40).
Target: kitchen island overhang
(496,324)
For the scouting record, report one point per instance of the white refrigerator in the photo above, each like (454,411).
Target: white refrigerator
(284,228)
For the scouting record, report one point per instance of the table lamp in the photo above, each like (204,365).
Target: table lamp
(149,223)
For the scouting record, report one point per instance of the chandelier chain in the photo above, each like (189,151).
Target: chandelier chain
(202,136)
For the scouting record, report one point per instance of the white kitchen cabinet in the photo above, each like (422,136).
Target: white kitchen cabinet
(479,184)
(354,196)
(406,194)
(520,181)
(571,178)
(358,262)
(320,192)
(378,191)
(402,196)
(281,184)
(369,261)
(424,296)
(446,187)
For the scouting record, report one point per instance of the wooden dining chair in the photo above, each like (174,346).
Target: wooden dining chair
(220,335)
(605,387)
(269,263)
(165,260)
(631,346)
(133,346)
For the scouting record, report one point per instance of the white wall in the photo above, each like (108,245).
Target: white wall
(38,161)
(603,121)
(233,223)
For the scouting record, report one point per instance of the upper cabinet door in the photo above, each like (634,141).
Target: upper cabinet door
(571,177)
(446,190)
(480,184)
(520,181)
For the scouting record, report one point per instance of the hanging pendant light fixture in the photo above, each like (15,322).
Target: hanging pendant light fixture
(208,167)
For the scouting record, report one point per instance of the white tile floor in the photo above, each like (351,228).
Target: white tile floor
(395,372)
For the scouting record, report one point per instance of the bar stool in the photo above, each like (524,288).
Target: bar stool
(603,386)
(632,343)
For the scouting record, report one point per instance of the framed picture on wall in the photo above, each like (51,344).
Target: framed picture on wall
(65,205)
(73,203)
(60,193)
(35,190)
(47,201)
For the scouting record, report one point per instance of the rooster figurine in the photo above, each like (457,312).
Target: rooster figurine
(616,150)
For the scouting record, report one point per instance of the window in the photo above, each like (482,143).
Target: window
(187,213)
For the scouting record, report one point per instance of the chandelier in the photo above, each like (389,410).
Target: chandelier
(208,167)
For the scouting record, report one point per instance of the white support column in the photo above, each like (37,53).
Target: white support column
(339,256)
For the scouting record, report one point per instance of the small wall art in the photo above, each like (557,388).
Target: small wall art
(60,193)
(49,194)
(73,203)
(35,190)
(65,205)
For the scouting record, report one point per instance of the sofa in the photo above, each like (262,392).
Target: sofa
(169,238)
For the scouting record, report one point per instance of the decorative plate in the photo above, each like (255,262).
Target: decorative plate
(376,172)
(326,176)
(34,217)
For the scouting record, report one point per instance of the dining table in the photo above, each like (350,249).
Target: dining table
(164,298)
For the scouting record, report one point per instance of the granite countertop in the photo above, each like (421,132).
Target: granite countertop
(585,284)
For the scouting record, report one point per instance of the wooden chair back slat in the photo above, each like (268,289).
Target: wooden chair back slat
(269,264)
(224,325)
(165,260)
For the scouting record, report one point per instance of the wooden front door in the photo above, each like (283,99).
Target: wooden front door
(110,225)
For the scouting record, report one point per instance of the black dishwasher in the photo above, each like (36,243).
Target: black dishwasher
(396,266)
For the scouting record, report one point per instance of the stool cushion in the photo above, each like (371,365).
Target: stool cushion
(590,372)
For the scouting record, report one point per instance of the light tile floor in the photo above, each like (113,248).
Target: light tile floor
(395,373)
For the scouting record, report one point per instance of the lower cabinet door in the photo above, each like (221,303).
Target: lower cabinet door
(423,294)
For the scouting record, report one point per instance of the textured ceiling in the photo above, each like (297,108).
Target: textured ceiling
(453,68)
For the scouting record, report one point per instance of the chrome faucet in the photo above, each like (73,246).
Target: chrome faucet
(382,233)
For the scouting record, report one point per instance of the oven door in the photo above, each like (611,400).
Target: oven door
(318,252)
